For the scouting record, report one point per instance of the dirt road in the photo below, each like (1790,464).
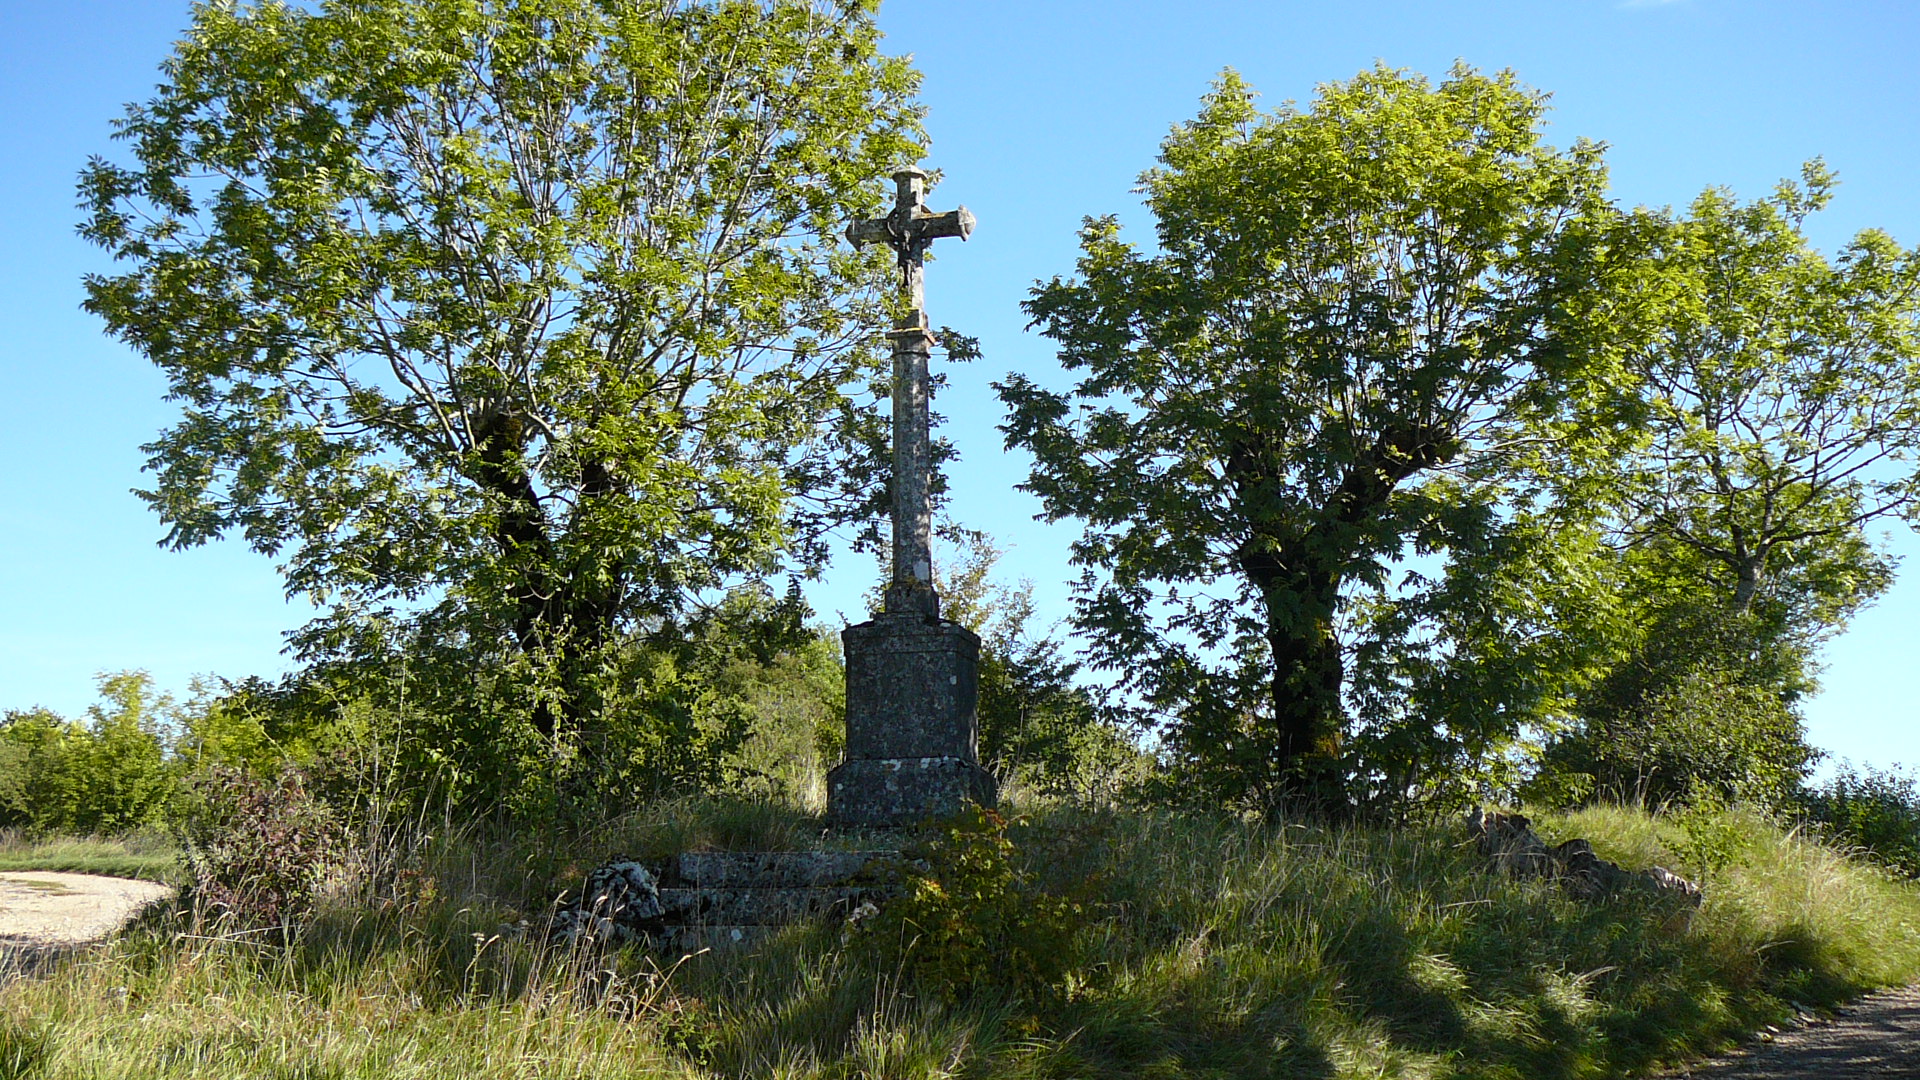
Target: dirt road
(1875,1038)
(44,913)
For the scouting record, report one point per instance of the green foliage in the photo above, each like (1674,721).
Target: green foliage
(695,706)
(124,778)
(105,776)
(1368,325)
(1781,395)
(1874,810)
(259,726)
(975,923)
(1701,710)
(38,787)
(797,701)
(514,332)
(1711,839)
(1039,727)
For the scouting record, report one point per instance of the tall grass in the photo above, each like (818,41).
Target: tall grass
(1210,948)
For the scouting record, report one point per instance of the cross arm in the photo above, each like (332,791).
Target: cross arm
(921,227)
(952,223)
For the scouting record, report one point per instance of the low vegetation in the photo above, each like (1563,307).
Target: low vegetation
(148,855)
(1168,945)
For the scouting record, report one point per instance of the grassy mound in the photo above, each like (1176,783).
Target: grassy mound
(1201,947)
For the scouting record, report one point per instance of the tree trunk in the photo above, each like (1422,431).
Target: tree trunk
(1298,570)
(555,612)
(1309,720)
(1748,573)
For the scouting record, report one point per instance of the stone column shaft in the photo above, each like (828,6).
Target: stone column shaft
(911,588)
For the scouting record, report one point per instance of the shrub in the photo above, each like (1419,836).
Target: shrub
(1703,709)
(973,921)
(1875,810)
(258,851)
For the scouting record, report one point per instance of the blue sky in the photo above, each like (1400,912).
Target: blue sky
(1041,112)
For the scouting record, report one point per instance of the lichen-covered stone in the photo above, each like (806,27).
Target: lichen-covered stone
(889,792)
(1510,844)
(619,903)
(913,685)
(912,734)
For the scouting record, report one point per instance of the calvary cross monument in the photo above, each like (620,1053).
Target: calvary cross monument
(913,740)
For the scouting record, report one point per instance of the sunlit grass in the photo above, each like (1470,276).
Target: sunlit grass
(146,856)
(1209,948)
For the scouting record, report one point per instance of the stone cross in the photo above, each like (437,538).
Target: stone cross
(913,678)
(909,230)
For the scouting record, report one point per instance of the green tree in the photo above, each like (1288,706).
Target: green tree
(107,775)
(1038,725)
(510,328)
(1782,394)
(1780,399)
(1363,320)
(41,785)
(125,777)
(796,698)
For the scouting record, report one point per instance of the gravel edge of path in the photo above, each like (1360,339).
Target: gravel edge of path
(1875,1037)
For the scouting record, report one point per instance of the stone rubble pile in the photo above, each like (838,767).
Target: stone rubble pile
(619,904)
(1510,844)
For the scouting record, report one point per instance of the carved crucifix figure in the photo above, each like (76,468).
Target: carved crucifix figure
(909,230)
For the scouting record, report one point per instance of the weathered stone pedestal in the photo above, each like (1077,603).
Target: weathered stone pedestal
(913,739)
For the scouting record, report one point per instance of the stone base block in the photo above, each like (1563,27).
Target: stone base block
(886,792)
(912,688)
(772,869)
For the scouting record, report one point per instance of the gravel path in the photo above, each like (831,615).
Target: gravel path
(1875,1038)
(43,913)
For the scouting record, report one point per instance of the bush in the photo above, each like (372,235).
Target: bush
(974,922)
(1704,709)
(107,775)
(1875,810)
(257,852)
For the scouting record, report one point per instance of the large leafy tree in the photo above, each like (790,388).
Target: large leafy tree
(1363,321)
(509,326)
(1782,395)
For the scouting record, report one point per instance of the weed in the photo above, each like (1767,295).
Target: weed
(257,852)
(974,921)
(22,1048)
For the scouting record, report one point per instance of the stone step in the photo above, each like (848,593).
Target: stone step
(772,869)
(692,939)
(756,907)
